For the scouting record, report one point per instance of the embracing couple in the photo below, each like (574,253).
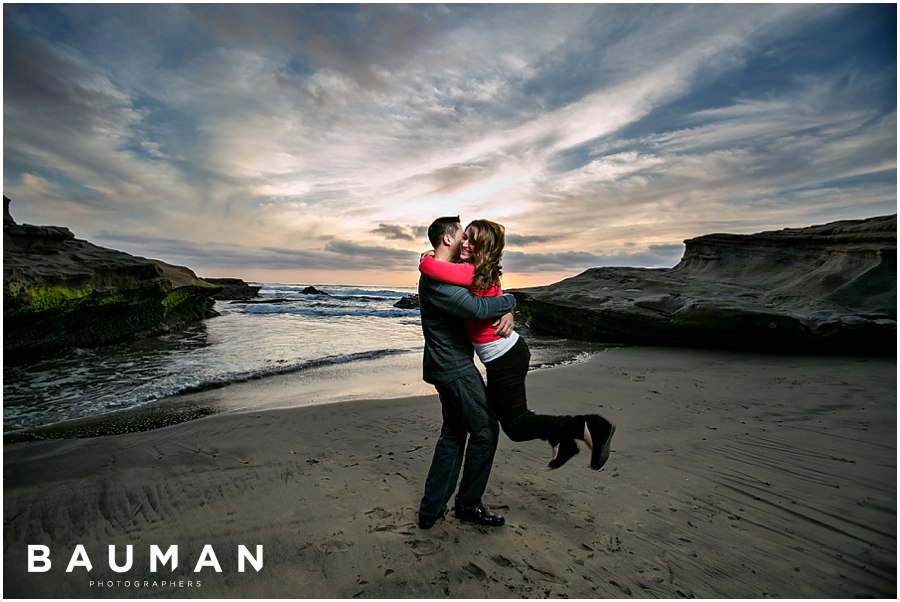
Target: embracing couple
(463,309)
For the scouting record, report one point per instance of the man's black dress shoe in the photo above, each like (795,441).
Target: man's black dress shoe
(480,516)
(567,449)
(601,431)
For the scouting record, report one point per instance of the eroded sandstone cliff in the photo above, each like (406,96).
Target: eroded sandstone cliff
(60,292)
(830,288)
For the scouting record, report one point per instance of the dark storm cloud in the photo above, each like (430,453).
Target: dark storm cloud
(398,232)
(393,232)
(523,240)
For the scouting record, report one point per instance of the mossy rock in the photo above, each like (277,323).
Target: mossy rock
(80,319)
(60,292)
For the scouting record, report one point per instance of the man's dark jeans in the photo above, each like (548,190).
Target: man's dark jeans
(466,414)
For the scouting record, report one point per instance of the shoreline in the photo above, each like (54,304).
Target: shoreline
(383,377)
(387,377)
(731,475)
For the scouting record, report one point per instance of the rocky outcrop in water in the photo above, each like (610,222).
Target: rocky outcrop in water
(408,302)
(60,292)
(311,290)
(233,289)
(823,289)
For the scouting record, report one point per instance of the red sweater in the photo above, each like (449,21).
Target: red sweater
(463,274)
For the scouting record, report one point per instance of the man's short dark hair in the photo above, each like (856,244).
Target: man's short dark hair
(441,226)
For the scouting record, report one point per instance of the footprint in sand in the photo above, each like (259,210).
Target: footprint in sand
(503,561)
(424,547)
(378,512)
(385,521)
(476,571)
(335,545)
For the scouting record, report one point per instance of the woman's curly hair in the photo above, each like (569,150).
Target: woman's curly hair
(487,240)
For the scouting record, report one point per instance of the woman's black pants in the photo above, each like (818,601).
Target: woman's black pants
(506,394)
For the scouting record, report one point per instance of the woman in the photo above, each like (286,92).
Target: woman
(506,359)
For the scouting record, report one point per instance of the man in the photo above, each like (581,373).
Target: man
(448,365)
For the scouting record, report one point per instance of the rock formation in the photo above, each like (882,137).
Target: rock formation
(60,292)
(311,290)
(408,302)
(233,289)
(823,289)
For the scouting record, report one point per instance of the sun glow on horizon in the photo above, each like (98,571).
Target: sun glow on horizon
(367,278)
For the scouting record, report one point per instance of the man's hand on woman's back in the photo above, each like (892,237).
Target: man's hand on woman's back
(504,325)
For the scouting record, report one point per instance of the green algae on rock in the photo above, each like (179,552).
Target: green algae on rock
(60,292)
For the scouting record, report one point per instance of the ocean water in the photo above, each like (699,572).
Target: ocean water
(349,342)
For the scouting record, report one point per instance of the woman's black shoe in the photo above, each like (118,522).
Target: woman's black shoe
(480,516)
(565,450)
(601,431)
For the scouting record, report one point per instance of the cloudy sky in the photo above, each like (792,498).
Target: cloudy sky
(314,144)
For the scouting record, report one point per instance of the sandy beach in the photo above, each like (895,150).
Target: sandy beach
(732,475)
